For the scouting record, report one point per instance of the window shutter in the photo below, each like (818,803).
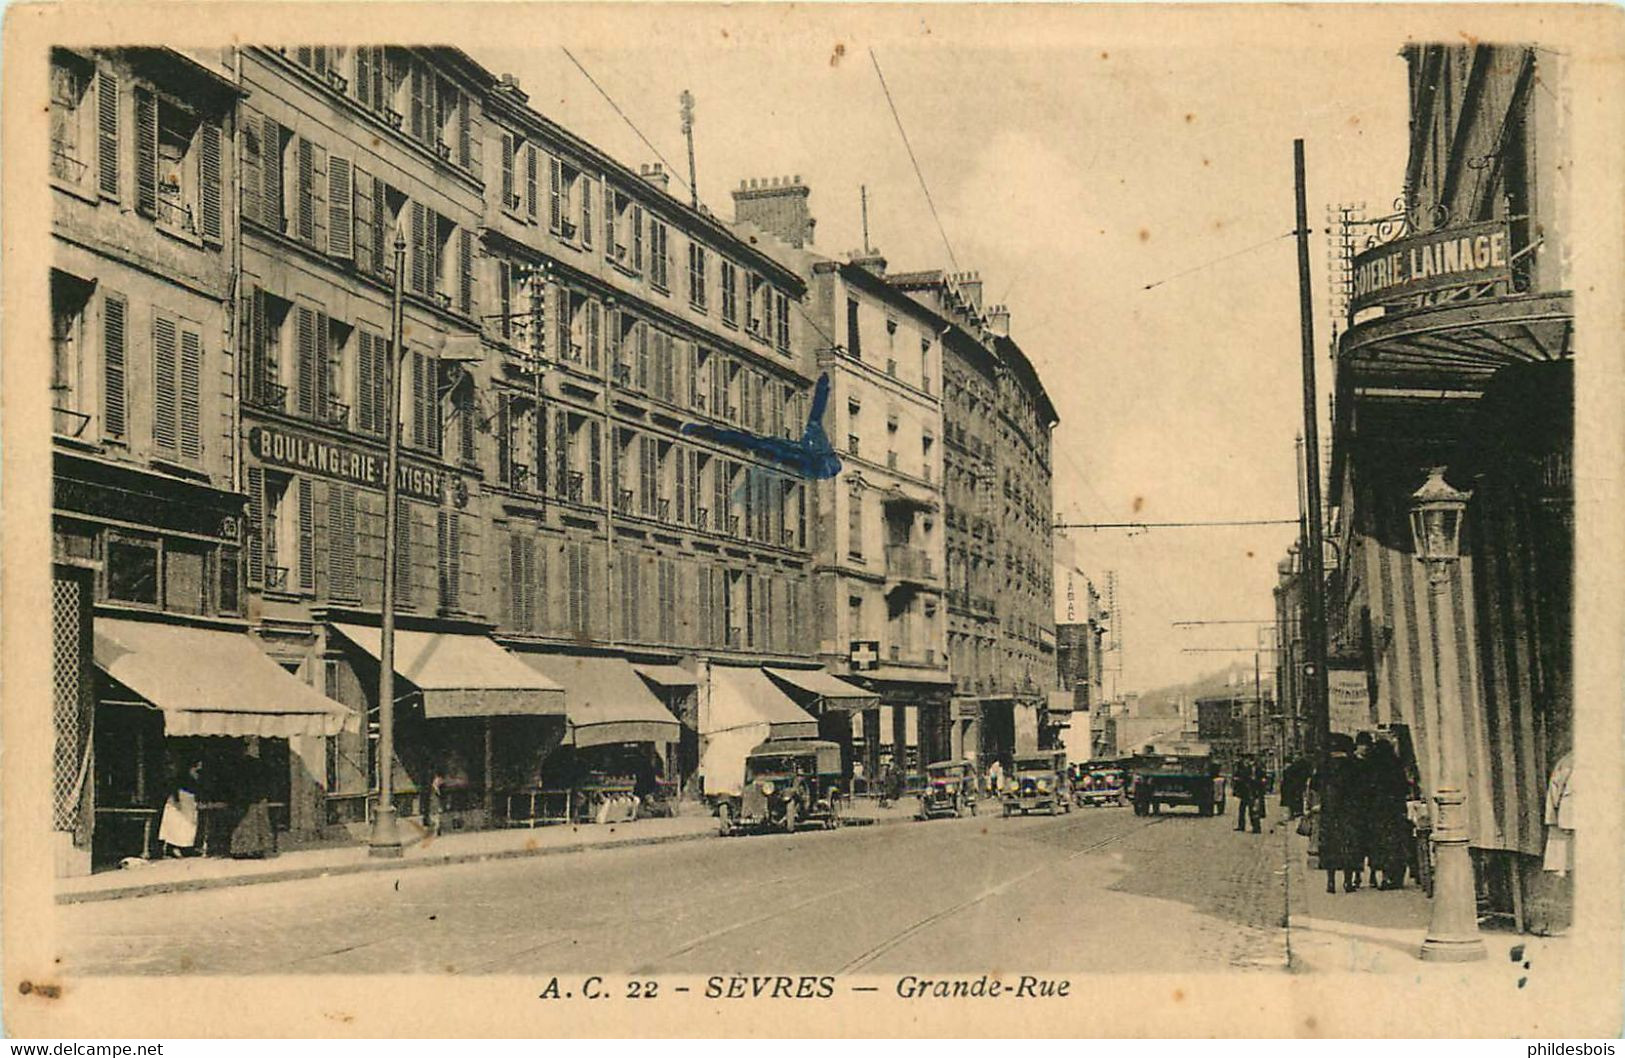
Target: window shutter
(504,439)
(530,183)
(420,270)
(539,464)
(380,234)
(107,133)
(419,116)
(609,221)
(113,366)
(507,170)
(363,75)
(271,162)
(256,527)
(464,132)
(561,451)
(465,271)
(341,530)
(555,192)
(362,214)
(366,364)
(307,536)
(304,214)
(420,427)
(305,352)
(595,468)
(561,323)
(588,188)
(403,551)
(595,323)
(146,153)
(191,411)
(340,206)
(164,411)
(251,176)
(637,237)
(642,377)
(446,557)
(323,367)
(504,299)
(680,460)
(210,181)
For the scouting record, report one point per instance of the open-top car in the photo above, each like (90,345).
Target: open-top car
(950,789)
(1038,782)
(1177,773)
(788,783)
(1102,786)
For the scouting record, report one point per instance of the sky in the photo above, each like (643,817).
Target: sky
(1074,160)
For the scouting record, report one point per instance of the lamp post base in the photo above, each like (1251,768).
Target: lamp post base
(1453,949)
(385,840)
(1453,931)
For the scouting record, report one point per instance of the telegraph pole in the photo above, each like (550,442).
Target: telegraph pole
(687,101)
(1314,570)
(385,839)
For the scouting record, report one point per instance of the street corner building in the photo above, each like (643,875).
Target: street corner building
(1455,357)
(615,568)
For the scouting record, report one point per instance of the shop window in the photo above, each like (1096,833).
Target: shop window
(185,583)
(132,570)
(228,581)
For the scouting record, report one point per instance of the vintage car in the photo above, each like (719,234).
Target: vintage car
(788,783)
(1177,773)
(1102,786)
(950,789)
(1038,782)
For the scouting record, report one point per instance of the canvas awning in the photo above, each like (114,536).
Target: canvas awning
(1059,702)
(464,675)
(903,674)
(831,692)
(668,675)
(745,697)
(605,700)
(213,682)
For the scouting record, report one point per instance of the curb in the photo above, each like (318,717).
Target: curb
(294,874)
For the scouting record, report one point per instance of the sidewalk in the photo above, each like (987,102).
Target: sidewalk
(1372,931)
(174,876)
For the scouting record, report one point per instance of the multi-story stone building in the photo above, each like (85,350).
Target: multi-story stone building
(997,420)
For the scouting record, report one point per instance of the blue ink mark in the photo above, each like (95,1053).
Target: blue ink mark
(811,457)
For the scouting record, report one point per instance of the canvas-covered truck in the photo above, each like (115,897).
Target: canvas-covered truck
(1177,773)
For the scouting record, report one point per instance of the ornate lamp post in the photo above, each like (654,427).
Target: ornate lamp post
(1436,514)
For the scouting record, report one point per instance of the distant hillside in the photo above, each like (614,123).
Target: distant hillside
(1164,701)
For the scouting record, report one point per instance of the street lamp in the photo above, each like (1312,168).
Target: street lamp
(385,838)
(1436,514)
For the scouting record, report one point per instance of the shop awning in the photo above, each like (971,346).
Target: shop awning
(464,675)
(1059,701)
(831,692)
(668,675)
(605,700)
(903,674)
(746,698)
(211,682)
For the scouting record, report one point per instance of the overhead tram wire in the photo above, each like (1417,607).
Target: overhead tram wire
(1220,260)
(915,161)
(1217,524)
(671,170)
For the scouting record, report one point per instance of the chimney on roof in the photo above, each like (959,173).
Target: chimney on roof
(655,174)
(998,320)
(509,84)
(778,206)
(969,285)
(870,260)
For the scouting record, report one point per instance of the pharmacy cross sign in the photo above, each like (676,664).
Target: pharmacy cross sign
(865,654)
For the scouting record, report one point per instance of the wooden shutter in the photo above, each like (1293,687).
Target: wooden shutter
(107,133)
(251,175)
(555,192)
(363,76)
(307,535)
(507,170)
(114,370)
(465,271)
(341,541)
(609,220)
(165,414)
(304,211)
(380,234)
(271,162)
(505,433)
(680,460)
(419,112)
(588,189)
(641,379)
(323,365)
(464,132)
(538,459)
(504,299)
(191,378)
(595,461)
(146,153)
(211,186)
(256,527)
(637,238)
(403,551)
(449,558)
(420,426)
(595,323)
(340,208)
(561,451)
(366,366)
(420,250)
(561,323)
(530,182)
(362,218)
(305,353)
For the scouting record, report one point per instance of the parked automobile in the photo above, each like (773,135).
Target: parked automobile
(788,783)
(1177,773)
(1038,782)
(1102,786)
(950,789)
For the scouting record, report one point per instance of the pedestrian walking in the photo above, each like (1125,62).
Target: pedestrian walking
(252,838)
(1390,825)
(1247,786)
(1335,794)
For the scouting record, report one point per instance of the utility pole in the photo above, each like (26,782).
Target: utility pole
(687,101)
(863,193)
(385,838)
(1314,571)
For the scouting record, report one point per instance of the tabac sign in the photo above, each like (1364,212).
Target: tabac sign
(1449,257)
(278,446)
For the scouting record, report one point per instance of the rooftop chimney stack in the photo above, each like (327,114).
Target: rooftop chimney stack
(998,320)
(969,285)
(777,205)
(655,174)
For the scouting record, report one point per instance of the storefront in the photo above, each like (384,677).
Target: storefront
(679,693)
(839,706)
(461,691)
(912,726)
(618,746)
(180,704)
(740,708)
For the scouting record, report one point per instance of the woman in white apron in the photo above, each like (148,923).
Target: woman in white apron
(178,827)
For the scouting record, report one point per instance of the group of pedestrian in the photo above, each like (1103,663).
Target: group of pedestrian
(1360,813)
(246,792)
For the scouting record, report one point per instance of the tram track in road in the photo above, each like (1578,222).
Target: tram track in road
(921,925)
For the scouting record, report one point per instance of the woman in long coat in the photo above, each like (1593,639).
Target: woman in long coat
(1337,792)
(252,838)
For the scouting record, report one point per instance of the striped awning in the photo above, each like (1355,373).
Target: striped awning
(463,675)
(828,691)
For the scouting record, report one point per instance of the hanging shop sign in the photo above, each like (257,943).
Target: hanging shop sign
(289,449)
(1448,257)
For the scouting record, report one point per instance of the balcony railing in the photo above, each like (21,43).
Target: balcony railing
(982,604)
(701,516)
(908,563)
(518,475)
(663,509)
(276,577)
(268,394)
(65,422)
(733,525)
(175,214)
(573,485)
(64,166)
(788,538)
(851,444)
(623,501)
(337,413)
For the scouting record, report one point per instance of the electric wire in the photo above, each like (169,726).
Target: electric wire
(670,169)
(1220,260)
(913,160)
